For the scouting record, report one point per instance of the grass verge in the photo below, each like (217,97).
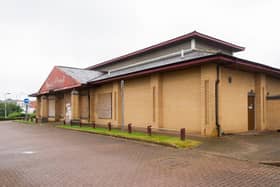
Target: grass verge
(171,141)
(25,122)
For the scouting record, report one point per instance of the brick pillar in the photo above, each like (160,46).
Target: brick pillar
(38,107)
(116,104)
(156,94)
(260,99)
(44,108)
(92,105)
(208,121)
(75,106)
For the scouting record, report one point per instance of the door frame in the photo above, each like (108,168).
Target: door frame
(251,94)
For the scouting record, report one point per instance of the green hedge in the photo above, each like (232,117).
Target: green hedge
(6,119)
(16,115)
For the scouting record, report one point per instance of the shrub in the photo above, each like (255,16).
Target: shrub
(15,115)
(33,115)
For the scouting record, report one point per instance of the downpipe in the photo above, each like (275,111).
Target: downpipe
(88,95)
(217,82)
(122,104)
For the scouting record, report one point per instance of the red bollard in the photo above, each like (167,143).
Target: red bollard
(71,122)
(129,128)
(64,122)
(80,123)
(93,125)
(36,120)
(183,134)
(109,126)
(149,130)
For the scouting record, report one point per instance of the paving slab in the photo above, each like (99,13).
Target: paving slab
(252,146)
(33,155)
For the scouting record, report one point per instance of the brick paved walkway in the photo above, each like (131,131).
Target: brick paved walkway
(46,156)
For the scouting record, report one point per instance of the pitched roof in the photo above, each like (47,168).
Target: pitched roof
(191,59)
(218,58)
(193,34)
(194,54)
(81,75)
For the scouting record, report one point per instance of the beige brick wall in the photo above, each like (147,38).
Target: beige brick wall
(273,113)
(138,102)
(273,106)
(273,85)
(207,100)
(181,100)
(233,100)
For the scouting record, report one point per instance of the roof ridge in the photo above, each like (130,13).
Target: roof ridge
(59,66)
(82,69)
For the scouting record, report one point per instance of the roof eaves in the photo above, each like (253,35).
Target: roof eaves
(216,58)
(168,67)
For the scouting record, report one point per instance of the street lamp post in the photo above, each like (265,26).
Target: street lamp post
(5,102)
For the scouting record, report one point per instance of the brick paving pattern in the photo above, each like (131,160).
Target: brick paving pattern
(47,156)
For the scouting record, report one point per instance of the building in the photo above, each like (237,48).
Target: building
(193,81)
(31,106)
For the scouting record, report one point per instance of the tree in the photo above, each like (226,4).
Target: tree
(11,107)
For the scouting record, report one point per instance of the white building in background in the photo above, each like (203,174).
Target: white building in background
(22,105)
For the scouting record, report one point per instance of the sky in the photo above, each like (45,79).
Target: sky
(36,35)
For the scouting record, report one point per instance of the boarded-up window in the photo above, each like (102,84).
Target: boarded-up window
(51,108)
(84,106)
(104,106)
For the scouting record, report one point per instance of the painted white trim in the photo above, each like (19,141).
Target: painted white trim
(182,53)
(193,44)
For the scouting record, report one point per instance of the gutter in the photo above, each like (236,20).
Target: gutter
(217,82)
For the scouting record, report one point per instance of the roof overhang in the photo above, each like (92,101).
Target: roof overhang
(222,59)
(78,86)
(34,94)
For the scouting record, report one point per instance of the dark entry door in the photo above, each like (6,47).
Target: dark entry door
(251,112)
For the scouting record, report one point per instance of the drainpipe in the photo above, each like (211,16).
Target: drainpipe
(218,126)
(122,104)
(88,105)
